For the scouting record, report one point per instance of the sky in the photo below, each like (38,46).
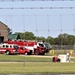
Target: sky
(42,22)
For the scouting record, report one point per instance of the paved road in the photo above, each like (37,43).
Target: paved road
(41,56)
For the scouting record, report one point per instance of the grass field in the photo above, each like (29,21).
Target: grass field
(17,64)
(36,67)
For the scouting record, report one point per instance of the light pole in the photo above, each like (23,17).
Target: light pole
(74,32)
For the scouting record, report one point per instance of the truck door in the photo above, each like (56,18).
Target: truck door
(21,50)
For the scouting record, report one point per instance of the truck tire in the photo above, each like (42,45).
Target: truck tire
(43,53)
(29,53)
(25,53)
(7,52)
(36,52)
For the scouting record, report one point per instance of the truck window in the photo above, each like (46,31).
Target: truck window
(15,46)
(41,45)
(10,46)
(48,46)
(3,46)
(6,46)
(21,48)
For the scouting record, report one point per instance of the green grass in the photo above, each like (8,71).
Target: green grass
(27,64)
(37,67)
(18,58)
(57,52)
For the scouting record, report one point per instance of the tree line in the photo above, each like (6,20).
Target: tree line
(61,39)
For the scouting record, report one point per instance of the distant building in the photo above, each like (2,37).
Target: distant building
(4,31)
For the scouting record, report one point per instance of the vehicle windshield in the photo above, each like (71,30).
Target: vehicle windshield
(15,46)
(48,45)
(22,48)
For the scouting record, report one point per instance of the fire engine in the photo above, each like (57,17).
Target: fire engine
(12,49)
(33,47)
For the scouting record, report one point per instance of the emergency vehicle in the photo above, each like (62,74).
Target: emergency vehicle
(33,47)
(12,49)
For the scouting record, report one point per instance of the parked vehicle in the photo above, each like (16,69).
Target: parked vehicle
(23,50)
(12,49)
(33,47)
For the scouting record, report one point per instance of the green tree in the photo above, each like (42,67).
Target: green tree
(70,39)
(29,36)
(26,35)
(50,40)
(62,38)
(40,39)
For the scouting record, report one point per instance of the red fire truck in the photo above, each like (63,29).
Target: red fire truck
(33,47)
(12,49)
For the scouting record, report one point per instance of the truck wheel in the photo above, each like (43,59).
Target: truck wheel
(43,53)
(26,53)
(29,53)
(36,52)
(7,52)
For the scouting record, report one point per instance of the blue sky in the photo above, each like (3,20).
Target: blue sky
(42,22)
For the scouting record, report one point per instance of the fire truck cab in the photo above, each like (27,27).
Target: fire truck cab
(37,48)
